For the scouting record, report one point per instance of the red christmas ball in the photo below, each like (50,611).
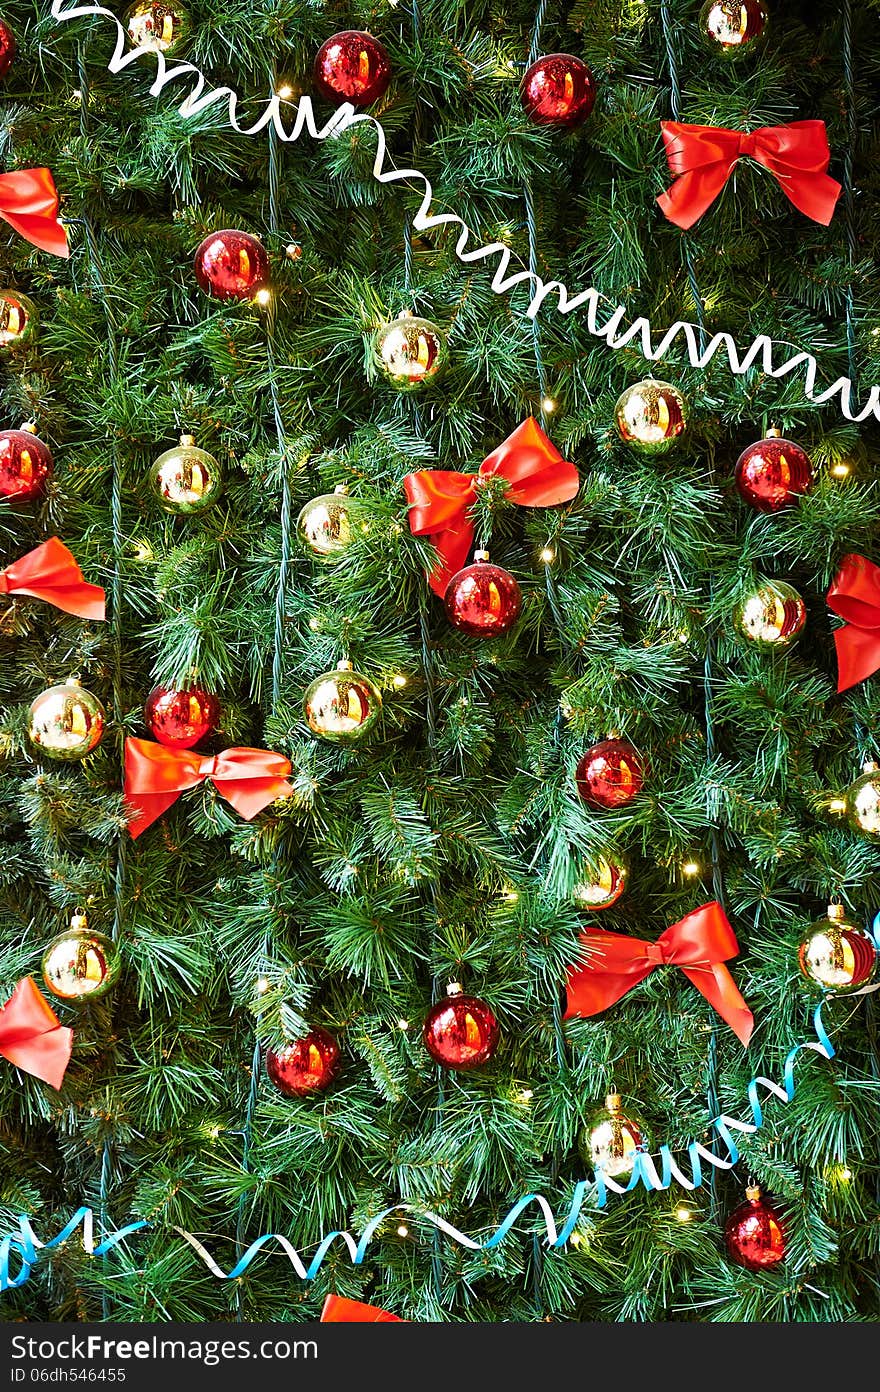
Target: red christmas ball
(352,67)
(231,265)
(306,1065)
(7,48)
(610,774)
(754,1234)
(558,90)
(25,465)
(772,473)
(482,599)
(180,718)
(460,1032)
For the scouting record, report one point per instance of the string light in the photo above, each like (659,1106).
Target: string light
(263,984)
(526,1096)
(398,680)
(263,297)
(839,470)
(285,91)
(314,623)
(683,637)
(213,1132)
(403,1230)
(548,405)
(511,896)
(844,1173)
(683,1213)
(547,554)
(403,1024)
(691,867)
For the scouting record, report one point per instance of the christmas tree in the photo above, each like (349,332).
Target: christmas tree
(251,943)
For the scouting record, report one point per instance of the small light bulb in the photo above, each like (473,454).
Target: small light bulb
(285,91)
(263,297)
(547,554)
(839,470)
(683,1214)
(403,1024)
(314,623)
(837,805)
(683,637)
(690,867)
(526,1095)
(548,405)
(143,551)
(77,94)
(263,984)
(398,680)
(511,896)
(403,1230)
(875,332)
(213,1132)
(845,1173)
(576,1240)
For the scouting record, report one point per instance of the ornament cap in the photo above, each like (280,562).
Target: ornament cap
(614,1102)
(187,441)
(406,314)
(836,913)
(481,556)
(454,989)
(72,681)
(29,426)
(753,1192)
(345,665)
(341,488)
(78,921)
(869,766)
(773,433)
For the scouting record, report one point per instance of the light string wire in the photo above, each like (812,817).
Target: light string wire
(640,333)
(115,626)
(22,1245)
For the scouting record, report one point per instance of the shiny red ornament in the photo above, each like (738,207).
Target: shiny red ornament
(8,48)
(180,718)
(231,265)
(306,1065)
(773,473)
(558,90)
(482,599)
(460,1032)
(754,1234)
(610,774)
(25,465)
(353,67)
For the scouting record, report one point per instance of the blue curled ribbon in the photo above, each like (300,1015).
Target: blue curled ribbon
(25,1245)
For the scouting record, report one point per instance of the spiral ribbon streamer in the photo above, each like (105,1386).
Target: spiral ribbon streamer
(760,352)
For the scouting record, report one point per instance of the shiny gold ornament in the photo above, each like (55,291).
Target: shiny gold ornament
(153,25)
(602,884)
(80,964)
(771,616)
(612,1138)
(411,352)
(862,800)
(342,706)
(325,524)
(186,479)
(651,416)
(18,320)
(734,27)
(837,955)
(66,722)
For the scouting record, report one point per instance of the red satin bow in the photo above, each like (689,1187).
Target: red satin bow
(441,499)
(155,776)
(854,595)
(31,1036)
(29,203)
(797,155)
(338,1310)
(700,944)
(50,572)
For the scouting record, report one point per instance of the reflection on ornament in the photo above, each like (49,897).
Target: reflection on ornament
(558,90)
(482,599)
(862,801)
(342,706)
(324,525)
(610,774)
(837,955)
(753,1233)
(25,464)
(772,616)
(153,25)
(66,721)
(602,886)
(734,26)
(18,320)
(179,718)
(651,416)
(460,1032)
(305,1065)
(411,352)
(80,964)
(612,1138)
(186,479)
(231,265)
(773,473)
(352,66)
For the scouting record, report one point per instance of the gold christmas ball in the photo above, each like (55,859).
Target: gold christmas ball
(410,352)
(734,27)
(66,721)
(862,800)
(602,883)
(18,320)
(771,616)
(186,479)
(651,416)
(837,955)
(612,1138)
(342,706)
(80,964)
(325,524)
(153,25)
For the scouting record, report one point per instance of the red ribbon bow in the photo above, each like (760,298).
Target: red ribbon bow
(854,595)
(155,776)
(700,944)
(29,203)
(50,572)
(338,1310)
(797,155)
(31,1037)
(440,498)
